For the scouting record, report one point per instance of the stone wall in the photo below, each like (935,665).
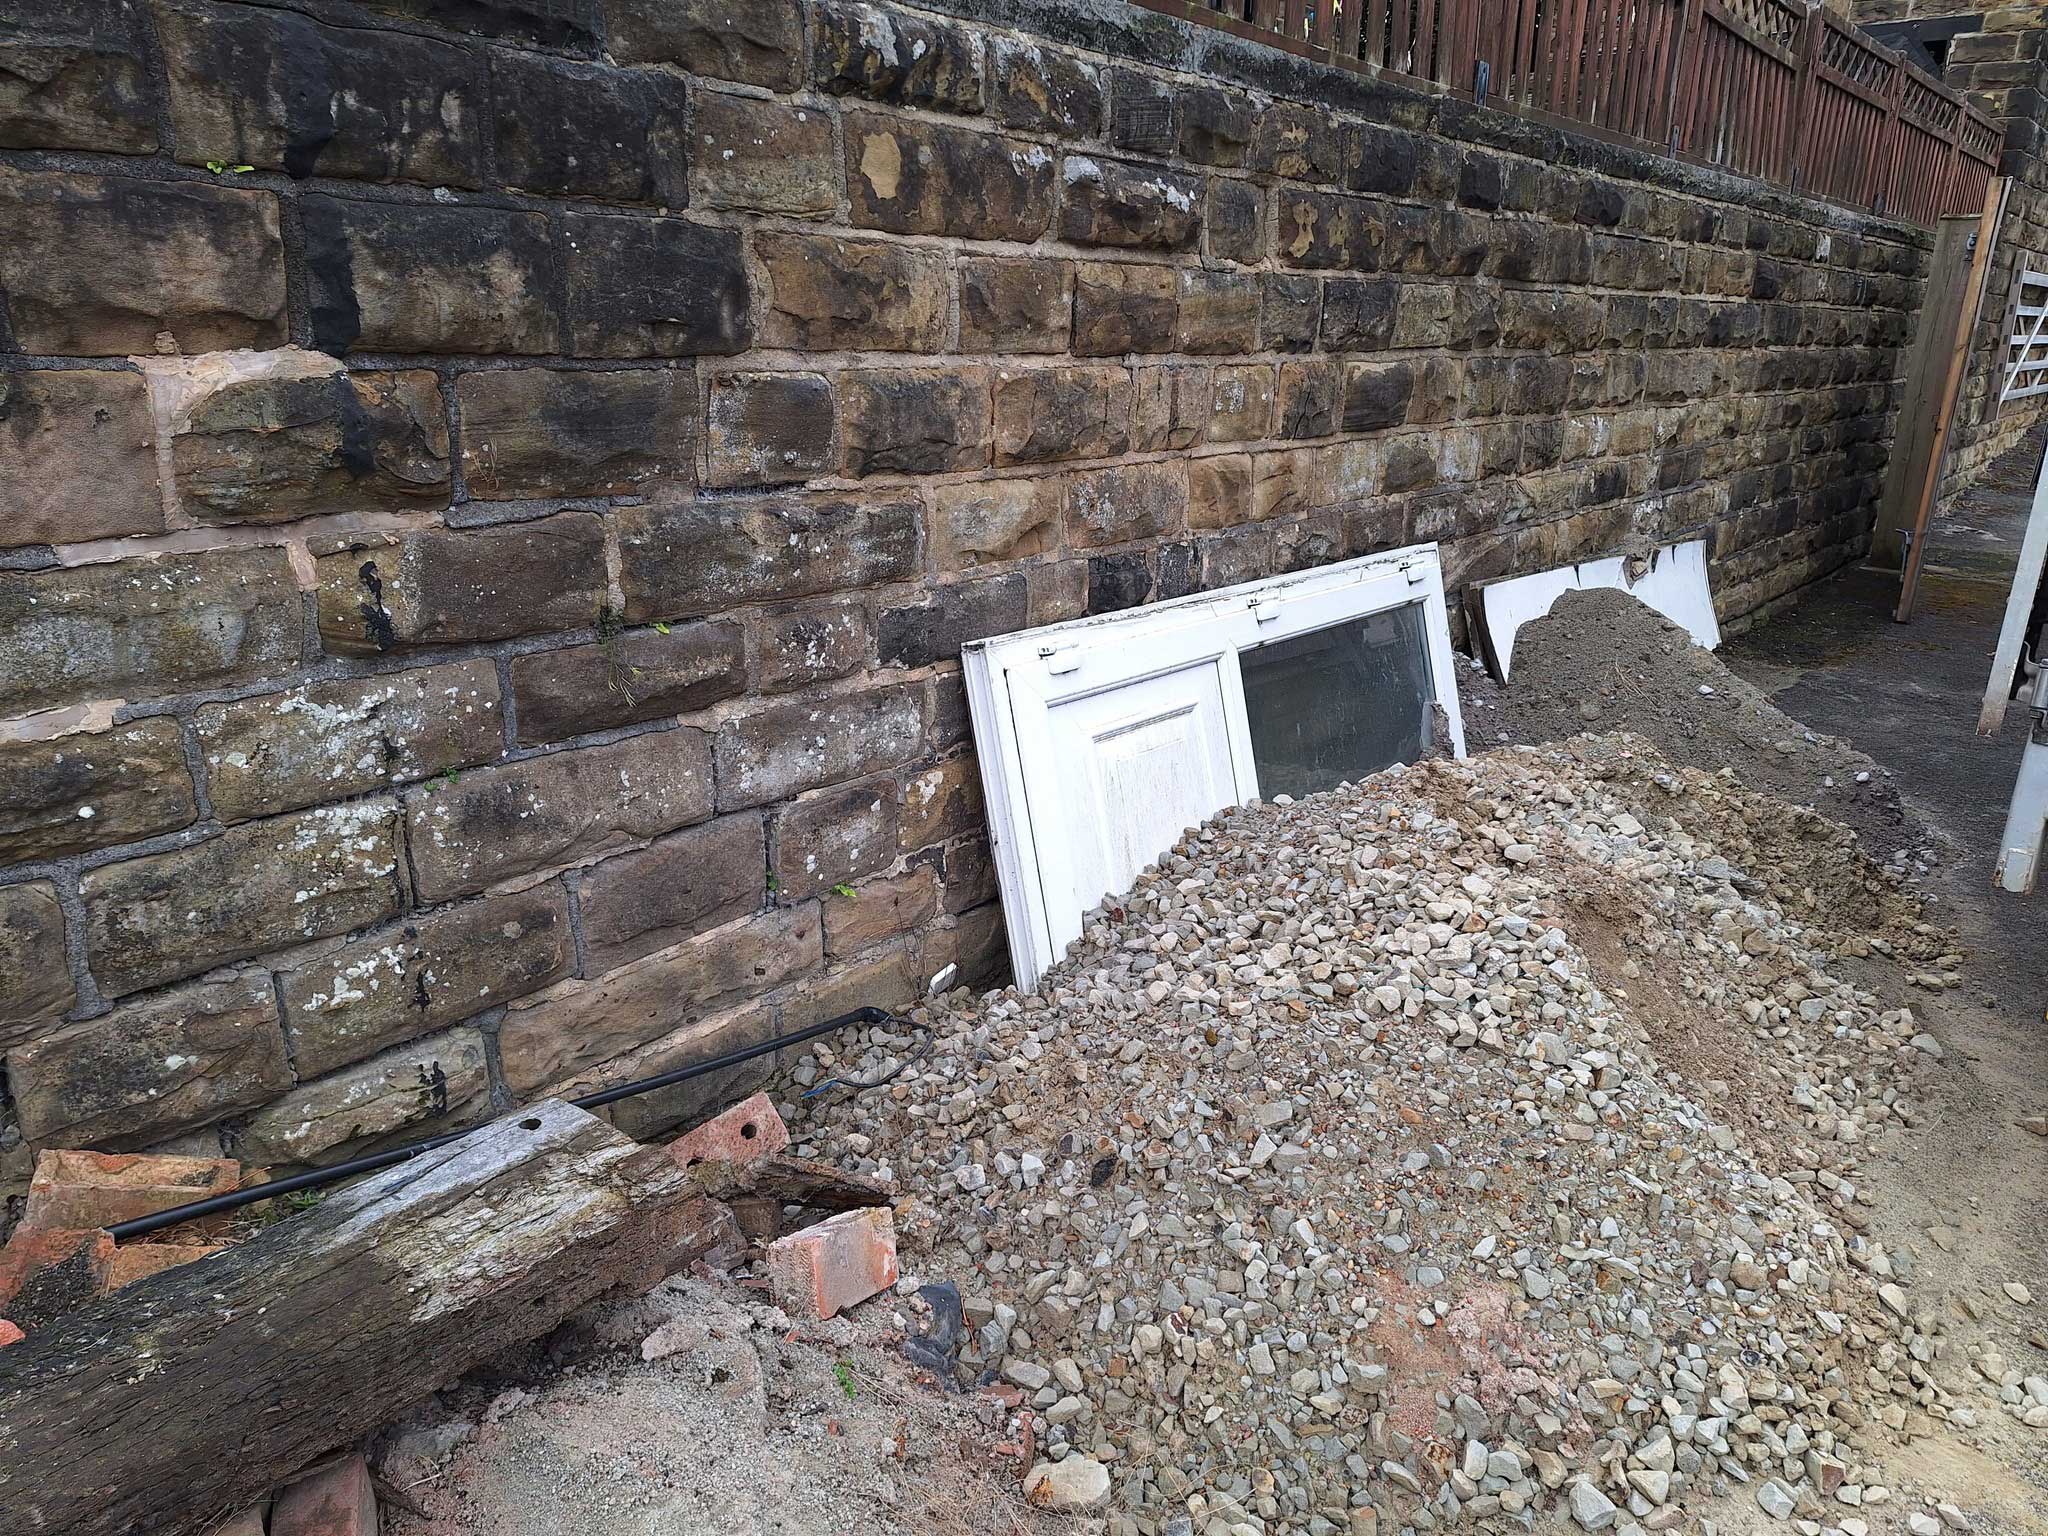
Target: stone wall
(493,492)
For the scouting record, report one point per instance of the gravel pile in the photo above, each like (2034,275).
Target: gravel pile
(1476,1142)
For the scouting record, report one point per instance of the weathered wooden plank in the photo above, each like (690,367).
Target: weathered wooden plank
(187,1396)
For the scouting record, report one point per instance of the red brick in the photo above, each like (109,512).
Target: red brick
(9,1334)
(103,1189)
(842,1261)
(337,1500)
(138,1261)
(747,1132)
(32,1250)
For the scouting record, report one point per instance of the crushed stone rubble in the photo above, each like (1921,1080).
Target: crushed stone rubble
(1475,1142)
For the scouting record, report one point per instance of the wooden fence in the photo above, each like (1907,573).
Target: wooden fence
(1776,89)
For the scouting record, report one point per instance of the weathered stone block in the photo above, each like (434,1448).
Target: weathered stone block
(152,1069)
(85,791)
(1242,408)
(915,421)
(565,808)
(539,23)
(1215,125)
(588,130)
(949,617)
(1358,313)
(1281,484)
(260,886)
(101,266)
(281,751)
(1302,144)
(641,674)
(885,55)
(763,157)
(77,457)
(1328,230)
(1236,220)
(1119,581)
(1289,311)
(425,974)
(1219,491)
(914,177)
(140,627)
(1144,112)
(768,428)
(35,981)
(994,520)
(446,586)
(1127,502)
(879,910)
(1380,160)
(1128,203)
(79,80)
(976,944)
(939,803)
(1059,591)
(676,886)
(689,558)
(648,287)
(1171,406)
(968,874)
(268,450)
(1044,89)
(554,432)
(1015,305)
(1122,307)
(777,753)
(809,645)
(580,1023)
(421,1088)
(834,836)
(281,92)
(1308,398)
(827,294)
(1046,414)
(760,43)
(1376,395)
(411,277)
(1219,311)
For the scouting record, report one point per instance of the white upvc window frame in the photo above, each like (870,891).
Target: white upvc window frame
(1014,680)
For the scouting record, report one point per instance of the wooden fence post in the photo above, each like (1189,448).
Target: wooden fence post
(1807,88)
(1686,77)
(1888,137)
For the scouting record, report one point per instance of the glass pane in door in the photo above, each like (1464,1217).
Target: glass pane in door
(1337,704)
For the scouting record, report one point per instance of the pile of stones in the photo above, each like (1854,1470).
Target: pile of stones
(1478,1141)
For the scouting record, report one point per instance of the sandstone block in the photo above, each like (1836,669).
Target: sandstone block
(1289,311)
(994,520)
(144,626)
(281,92)
(79,81)
(391,277)
(586,130)
(777,753)
(836,1264)
(35,980)
(834,836)
(809,645)
(1129,203)
(1122,307)
(1241,409)
(1127,502)
(768,428)
(687,558)
(554,432)
(941,802)
(281,751)
(576,1025)
(421,1088)
(268,450)
(763,157)
(152,1069)
(1044,89)
(72,793)
(565,808)
(1308,398)
(950,616)
(1281,484)
(260,886)
(915,421)
(338,1500)
(699,878)
(1236,216)
(1015,305)
(652,287)
(1358,313)
(77,457)
(1376,395)
(879,910)
(921,178)
(422,975)
(1171,406)
(760,43)
(1144,112)
(88,1190)
(1219,491)
(100,266)
(1119,581)
(1046,414)
(1059,591)
(885,55)
(1218,311)
(641,674)
(1328,230)
(827,294)
(447,586)
(1300,143)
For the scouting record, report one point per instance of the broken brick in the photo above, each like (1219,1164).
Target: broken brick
(9,1334)
(336,1500)
(84,1190)
(138,1261)
(842,1261)
(746,1133)
(45,1272)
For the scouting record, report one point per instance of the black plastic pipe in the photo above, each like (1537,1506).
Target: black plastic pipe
(141,1226)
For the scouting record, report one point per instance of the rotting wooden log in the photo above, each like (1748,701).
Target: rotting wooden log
(189,1395)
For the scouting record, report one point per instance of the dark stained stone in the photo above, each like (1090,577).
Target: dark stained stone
(72,793)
